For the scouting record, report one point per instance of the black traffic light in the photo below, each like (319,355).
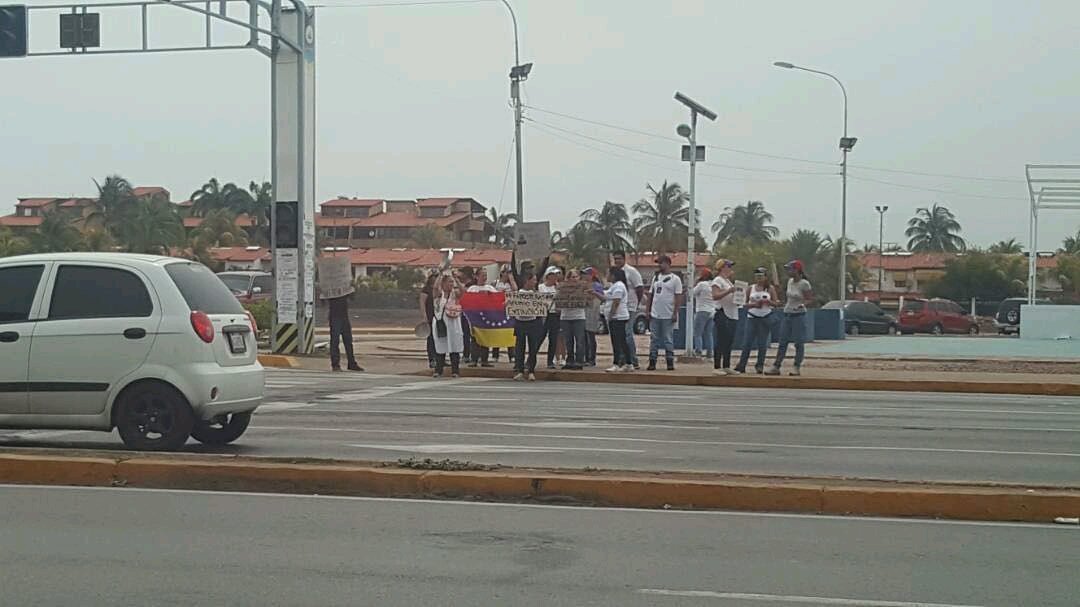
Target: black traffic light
(286,225)
(13,31)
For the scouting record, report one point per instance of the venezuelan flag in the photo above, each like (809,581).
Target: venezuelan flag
(486,311)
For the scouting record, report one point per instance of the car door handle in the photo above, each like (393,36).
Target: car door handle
(9,337)
(135,333)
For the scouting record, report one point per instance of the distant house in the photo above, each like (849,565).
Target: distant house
(366,262)
(30,212)
(370,221)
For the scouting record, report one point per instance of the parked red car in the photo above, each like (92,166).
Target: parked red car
(935,316)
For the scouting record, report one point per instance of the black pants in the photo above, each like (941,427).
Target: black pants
(551,332)
(455,363)
(341,331)
(725,337)
(617,332)
(590,355)
(480,353)
(757,335)
(431,348)
(466,332)
(529,334)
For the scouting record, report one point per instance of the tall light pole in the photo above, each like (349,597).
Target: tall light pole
(518,74)
(846,143)
(881,208)
(690,153)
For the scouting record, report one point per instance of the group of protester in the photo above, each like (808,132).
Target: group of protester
(616,299)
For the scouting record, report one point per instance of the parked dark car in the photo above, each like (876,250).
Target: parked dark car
(1007,319)
(864,317)
(936,316)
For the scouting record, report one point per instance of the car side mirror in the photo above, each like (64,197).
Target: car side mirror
(256,290)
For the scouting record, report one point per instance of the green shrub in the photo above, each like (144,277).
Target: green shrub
(263,311)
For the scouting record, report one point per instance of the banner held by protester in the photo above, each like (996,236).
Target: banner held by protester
(528,304)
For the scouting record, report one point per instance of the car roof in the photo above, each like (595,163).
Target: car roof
(243,273)
(130,258)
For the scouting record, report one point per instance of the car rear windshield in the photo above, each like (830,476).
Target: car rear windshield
(202,290)
(915,306)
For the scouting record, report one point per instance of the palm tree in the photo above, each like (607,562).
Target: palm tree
(115,200)
(610,226)
(504,227)
(807,246)
(56,234)
(581,247)
(750,222)
(212,196)
(219,229)
(154,227)
(255,202)
(1006,247)
(661,219)
(934,229)
(1071,244)
(10,244)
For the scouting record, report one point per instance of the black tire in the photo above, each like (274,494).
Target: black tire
(640,325)
(153,417)
(893,330)
(973,330)
(937,330)
(221,430)
(853,330)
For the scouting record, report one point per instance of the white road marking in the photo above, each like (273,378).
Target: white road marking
(787,598)
(853,520)
(451,448)
(673,442)
(43,434)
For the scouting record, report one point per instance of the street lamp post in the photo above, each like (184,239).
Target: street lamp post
(690,132)
(518,74)
(881,208)
(846,143)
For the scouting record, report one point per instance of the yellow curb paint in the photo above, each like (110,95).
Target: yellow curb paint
(278,361)
(632,490)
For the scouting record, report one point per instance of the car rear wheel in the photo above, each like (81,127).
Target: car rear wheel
(853,330)
(937,330)
(893,330)
(973,330)
(153,417)
(222,429)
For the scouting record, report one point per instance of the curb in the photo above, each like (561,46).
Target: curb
(805,383)
(620,489)
(279,361)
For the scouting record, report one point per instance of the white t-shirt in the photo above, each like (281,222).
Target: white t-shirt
(481,289)
(633,281)
(664,289)
(505,287)
(543,288)
(797,290)
(759,294)
(703,301)
(616,291)
(726,303)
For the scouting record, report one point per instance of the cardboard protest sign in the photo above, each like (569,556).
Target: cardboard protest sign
(573,294)
(335,277)
(528,304)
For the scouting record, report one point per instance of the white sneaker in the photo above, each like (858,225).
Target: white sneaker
(721,372)
(519,376)
(628,368)
(613,369)
(532,377)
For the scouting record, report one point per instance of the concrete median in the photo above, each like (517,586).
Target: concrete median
(981,502)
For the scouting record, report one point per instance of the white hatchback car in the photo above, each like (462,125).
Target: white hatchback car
(156,347)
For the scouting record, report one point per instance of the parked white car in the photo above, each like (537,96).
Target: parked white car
(156,347)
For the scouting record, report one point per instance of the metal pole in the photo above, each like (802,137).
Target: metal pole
(690,239)
(515,94)
(843,206)
(881,250)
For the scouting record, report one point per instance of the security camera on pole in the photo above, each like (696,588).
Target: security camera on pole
(691,153)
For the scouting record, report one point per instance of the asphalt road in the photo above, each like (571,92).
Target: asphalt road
(1017,439)
(67,546)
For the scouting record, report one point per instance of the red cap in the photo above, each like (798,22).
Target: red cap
(794,265)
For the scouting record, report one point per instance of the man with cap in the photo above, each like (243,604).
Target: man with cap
(552,275)
(662,309)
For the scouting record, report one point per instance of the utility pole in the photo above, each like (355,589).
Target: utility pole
(691,153)
(881,247)
(518,74)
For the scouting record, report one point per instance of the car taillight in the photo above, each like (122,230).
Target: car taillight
(254,325)
(204,328)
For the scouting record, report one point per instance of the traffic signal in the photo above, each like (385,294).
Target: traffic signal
(286,225)
(13,31)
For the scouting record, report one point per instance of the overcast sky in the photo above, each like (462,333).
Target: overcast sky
(412,102)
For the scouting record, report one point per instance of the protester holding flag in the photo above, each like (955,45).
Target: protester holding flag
(480,351)
(485,308)
(506,283)
(446,326)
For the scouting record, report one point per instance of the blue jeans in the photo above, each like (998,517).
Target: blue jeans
(792,330)
(703,333)
(757,335)
(631,345)
(661,329)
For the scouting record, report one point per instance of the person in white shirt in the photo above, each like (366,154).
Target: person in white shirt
(528,334)
(480,353)
(504,284)
(793,328)
(665,299)
(726,317)
(572,327)
(759,309)
(446,326)
(551,323)
(703,315)
(617,314)
(635,290)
